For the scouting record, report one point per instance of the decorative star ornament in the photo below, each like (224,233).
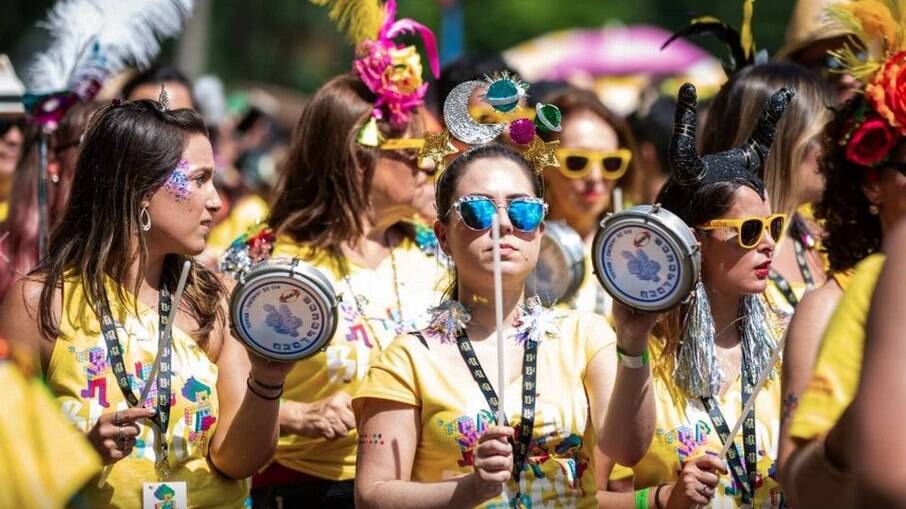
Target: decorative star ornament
(542,154)
(436,148)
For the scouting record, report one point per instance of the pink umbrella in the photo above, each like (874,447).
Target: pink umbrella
(612,50)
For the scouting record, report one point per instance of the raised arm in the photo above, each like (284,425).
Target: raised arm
(622,398)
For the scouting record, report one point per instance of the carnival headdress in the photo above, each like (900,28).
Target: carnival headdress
(876,56)
(742,164)
(392,71)
(504,91)
(92,40)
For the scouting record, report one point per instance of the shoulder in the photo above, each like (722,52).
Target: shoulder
(20,310)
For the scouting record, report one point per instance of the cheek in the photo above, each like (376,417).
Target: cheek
(178,185)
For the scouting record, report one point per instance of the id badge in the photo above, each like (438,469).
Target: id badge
(164,495)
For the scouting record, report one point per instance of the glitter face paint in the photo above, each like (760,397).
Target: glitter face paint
(178,183)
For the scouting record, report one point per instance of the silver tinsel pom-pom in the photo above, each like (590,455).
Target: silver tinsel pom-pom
(756,333)
(697,372)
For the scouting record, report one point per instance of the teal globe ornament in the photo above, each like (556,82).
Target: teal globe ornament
(547,117)
(504,94)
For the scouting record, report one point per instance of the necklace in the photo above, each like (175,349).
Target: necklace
(361,301)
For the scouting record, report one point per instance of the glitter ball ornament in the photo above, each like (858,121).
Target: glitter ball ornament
(503,94)
(522,131)
(547,117)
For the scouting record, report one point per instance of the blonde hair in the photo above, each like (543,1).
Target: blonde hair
(745,96)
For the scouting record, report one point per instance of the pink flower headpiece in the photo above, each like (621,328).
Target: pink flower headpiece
(393,71)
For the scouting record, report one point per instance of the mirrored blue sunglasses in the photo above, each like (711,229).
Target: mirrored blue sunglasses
(477,212)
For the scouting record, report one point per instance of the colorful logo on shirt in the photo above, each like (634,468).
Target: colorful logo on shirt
(567,454)
(96,370)
(467,432)
(198,417)
(166,496)
(687,439)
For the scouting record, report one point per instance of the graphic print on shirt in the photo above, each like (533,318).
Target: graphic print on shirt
(96,368)
(198,417)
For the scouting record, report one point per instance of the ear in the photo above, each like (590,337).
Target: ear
(53,167)
(440,231)
(542,227)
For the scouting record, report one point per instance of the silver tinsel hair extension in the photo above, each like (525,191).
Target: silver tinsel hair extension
(696,372)
(756,333)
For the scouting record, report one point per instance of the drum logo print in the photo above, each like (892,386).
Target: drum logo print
(282,320)
(641,266)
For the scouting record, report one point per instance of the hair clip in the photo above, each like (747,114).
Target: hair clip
(164,99)
(116,102)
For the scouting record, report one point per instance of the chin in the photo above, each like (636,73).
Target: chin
(755,287)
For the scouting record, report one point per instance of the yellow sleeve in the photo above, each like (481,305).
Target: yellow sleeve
(836,377)
(44,460)
(600,335)
(392,376)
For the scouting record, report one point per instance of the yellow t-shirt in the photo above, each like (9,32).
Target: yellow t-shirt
(247,212)
(590,296)
(44,461)
(81,378)
(410,275)
(4,210)
(684,431)
(836,377)
(453,411)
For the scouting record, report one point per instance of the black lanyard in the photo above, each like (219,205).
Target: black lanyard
(529,370)
(743,477)
(161,417)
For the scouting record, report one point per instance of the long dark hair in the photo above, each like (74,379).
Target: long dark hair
(852,231)
(128,152)
(446,184)
(326,182)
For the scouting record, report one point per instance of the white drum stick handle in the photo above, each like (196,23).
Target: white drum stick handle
(498,318)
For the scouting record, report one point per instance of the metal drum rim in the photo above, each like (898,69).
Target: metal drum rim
(267,272)
(646,216)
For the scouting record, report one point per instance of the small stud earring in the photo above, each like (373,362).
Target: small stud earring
(873,209)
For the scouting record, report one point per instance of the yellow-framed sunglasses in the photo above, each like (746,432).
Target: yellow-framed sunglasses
(750,230)
(576,163)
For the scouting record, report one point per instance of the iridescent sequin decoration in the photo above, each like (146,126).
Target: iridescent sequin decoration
(250,248)
(447,321)
(535,322)
(178,182)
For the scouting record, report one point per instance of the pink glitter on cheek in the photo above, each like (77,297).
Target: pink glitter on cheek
(178,183)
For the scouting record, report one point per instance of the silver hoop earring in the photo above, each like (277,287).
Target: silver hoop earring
(144,219)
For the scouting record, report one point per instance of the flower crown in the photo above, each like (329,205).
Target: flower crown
(504,91)
(876,57)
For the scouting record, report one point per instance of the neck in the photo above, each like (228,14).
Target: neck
(151,276)
(725,311)
(375,242)
(480,302)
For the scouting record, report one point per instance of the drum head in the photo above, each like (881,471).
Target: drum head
(646,258)
(561,265)
(283,310)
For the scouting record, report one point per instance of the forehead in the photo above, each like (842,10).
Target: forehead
(198,152)
(494,176)
(585,129)
(746,202)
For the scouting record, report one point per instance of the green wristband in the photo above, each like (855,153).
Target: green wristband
(632,361)
(641,498)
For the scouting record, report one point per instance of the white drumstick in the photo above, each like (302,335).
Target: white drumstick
(161,344)
(617,198)
(498,316)
(762,379)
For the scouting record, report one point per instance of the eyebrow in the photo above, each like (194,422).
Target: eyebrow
(510,196)
(203,169)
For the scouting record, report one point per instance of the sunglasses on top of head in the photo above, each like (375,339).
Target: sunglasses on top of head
(750,230)
(476,211)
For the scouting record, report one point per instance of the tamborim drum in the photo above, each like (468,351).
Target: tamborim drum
(646,258)
(284,309)
(561,265)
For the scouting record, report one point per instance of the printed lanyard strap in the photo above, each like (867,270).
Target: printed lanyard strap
(743,477)
(529,365)
(161,418)
(797,232)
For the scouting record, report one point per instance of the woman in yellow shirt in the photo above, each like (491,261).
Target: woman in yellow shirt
(427,410)
(96,309)
(711,351)
(595,156)
(349,187)
(864,198)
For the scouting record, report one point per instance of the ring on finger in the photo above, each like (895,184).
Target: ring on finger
(116,419)
(121,439)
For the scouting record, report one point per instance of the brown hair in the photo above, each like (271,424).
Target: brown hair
(571,100)
(325,183)
(744,97)
(128,152)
